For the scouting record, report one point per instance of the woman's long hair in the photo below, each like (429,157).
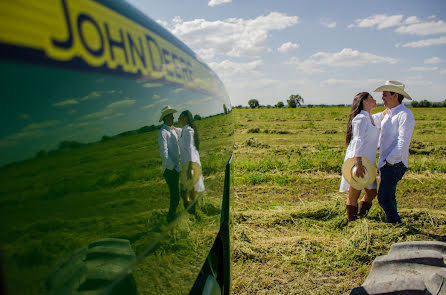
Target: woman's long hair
(190,121)
(357,107)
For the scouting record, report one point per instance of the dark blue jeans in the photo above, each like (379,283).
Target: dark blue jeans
(172,178)
(390,175)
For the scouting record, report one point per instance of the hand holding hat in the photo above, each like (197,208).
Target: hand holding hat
(349,172)
(190,174)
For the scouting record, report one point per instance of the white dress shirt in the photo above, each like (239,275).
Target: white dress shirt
(364,143)
(189,153)
(168,144)
(396,132)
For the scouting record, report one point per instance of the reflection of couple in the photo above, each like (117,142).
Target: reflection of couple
(173,142)
(363,138)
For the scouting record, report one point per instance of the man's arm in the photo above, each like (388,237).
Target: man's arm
(406,124)
(164,150)
(378,118)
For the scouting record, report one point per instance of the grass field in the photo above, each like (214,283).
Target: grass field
(290,229)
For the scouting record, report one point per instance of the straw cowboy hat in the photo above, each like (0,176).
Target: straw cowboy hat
(187,182)
(394,86)
(166,111)
(349,169)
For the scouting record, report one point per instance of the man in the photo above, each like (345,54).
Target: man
(170,155)
(397,123)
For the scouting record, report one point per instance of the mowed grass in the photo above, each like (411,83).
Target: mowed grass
(290,230)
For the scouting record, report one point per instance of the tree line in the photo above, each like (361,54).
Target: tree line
(296,100)
(427,104)
(292,102)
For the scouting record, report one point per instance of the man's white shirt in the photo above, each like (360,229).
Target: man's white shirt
(168,144)
(396,132)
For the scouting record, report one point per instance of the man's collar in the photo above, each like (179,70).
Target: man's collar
(395,109)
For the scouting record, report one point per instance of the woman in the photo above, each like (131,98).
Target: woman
(361,140)
(191,179)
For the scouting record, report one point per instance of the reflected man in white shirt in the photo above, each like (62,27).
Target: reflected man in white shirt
(170,155)
(397,125)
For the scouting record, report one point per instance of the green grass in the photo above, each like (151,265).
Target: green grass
(290,229)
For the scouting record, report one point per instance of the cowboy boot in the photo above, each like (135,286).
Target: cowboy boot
(352,212)
(364,208)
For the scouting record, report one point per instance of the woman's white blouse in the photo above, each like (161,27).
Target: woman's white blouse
(364,142)
(189,153)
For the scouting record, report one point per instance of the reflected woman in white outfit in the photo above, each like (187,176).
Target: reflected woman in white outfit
(190,159)
(362,141)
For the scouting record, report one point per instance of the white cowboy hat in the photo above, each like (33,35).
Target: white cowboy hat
(349,169)
(189,183)
(166,111)
(394,86)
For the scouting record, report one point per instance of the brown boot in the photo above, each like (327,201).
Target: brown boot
(364,208)
(352,212)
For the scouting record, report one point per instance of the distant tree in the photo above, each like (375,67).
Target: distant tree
(414,104)
(41,153)
(425,104)
(253,103)
(69,144)
(197,117)
(295,100)
(225,109)
(280,104)
(105,138)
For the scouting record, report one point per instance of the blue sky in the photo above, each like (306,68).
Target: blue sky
(326,51)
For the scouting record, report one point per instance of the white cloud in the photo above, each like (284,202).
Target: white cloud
(328,23)
(121,103)
(66,102)
(288,46)
(149,106)
(41,125)
(443,72)
(229,71)
(91,95)
(97,114)
(424,43)
(430,28)
(162,22)
(433,60)
(233,37)
(411,20)
(357,83)
(422,69)
(236,67)
(336,82)
(29,131)
(347,57)
(381,21)
(113,116)
(152,85)
(308,66)
(417,81)
(218,2)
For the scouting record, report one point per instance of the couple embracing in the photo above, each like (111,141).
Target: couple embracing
(391,131)
(174,142)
